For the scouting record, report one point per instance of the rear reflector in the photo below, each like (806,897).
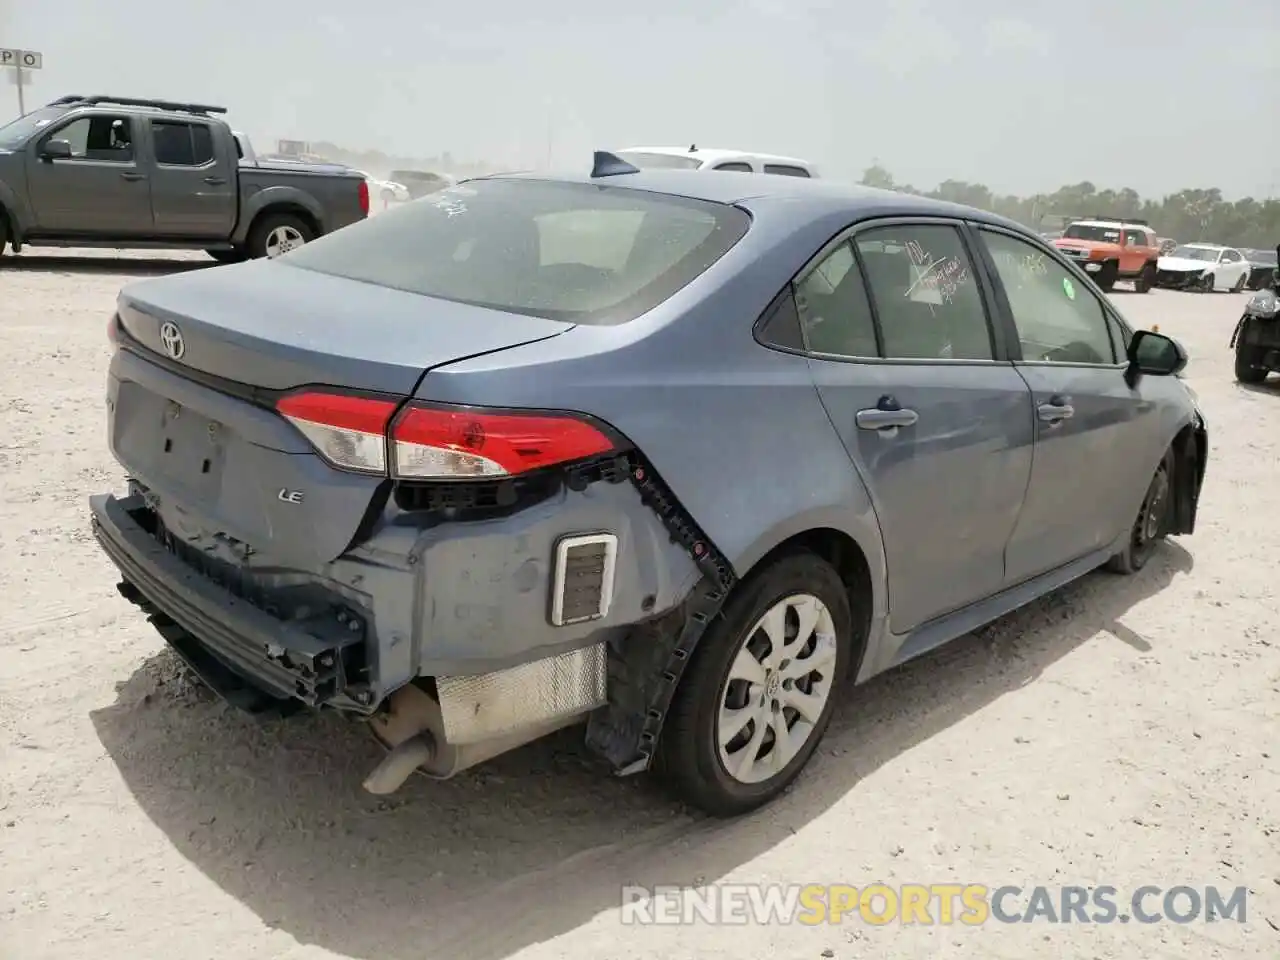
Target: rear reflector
(349,432)
(442,443)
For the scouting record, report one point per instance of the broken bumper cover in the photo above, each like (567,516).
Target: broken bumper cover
(237,649)
(1178,279)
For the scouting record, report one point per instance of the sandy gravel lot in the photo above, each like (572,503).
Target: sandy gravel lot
(1123,732)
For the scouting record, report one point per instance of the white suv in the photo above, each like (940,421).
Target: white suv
(695,158)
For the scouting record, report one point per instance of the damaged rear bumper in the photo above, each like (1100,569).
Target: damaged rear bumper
(245,654)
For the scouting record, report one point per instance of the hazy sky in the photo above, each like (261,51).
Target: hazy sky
(1024,95)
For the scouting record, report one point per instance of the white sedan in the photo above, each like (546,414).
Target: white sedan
(1203,266)
(385,192)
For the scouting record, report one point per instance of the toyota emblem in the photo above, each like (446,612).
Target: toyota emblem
(171,340)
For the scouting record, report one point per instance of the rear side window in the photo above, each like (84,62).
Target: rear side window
(834,312)
(181,144)
(736,166)
(786,170)
(575,252)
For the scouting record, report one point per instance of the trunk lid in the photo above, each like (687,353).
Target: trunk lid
(223,467)
(269,325)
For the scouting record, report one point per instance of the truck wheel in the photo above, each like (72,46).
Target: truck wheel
(760,688)
(237,255)
(1249,368)
(1152,523)
(278,233)
(1109,275)
(1146,279)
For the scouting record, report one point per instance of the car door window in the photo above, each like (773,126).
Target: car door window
(1058,319)
(1230,256)
(736,167)
(835,315)
(926,299)
(100,137)
(181,144)
(1135,238)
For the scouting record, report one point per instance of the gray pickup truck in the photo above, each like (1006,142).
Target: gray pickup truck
(119,173)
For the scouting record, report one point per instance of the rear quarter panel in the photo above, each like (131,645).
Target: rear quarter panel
(333,200)
(736,430)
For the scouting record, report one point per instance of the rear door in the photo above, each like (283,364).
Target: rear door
(193,186)
(1093,432)
(935,422)
(103,190)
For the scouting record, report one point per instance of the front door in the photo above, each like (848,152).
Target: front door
(938,429)
(102,191)
(193,189)
(1092,430)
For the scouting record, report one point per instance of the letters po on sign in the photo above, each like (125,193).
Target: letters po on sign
(24,59)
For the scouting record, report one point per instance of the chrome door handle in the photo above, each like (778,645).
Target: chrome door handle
(1055,411)
(215,181)
(880,419)
(132,176)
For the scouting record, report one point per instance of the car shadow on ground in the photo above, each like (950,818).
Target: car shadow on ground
(536,843)
(1268,388)
(133,266)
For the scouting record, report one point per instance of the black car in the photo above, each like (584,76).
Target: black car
(1262,263)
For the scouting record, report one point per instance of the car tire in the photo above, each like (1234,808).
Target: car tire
(1239,284)
(1108,276)
(1152,523)
(1249,368)
(1146,279)
(238,255)
(1207,284)
(278,231)
(797,590)
(4,233)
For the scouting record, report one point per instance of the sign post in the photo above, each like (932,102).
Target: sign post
(21,61)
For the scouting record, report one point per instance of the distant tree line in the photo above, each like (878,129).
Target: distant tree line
(1186,216)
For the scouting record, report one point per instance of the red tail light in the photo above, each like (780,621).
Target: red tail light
(349,432)
(364,196)
(437,442)
(443,443)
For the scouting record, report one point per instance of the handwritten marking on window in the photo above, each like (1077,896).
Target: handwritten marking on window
(942,276)
(452,200)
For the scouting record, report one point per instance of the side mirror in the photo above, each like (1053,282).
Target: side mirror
(56,150)
(1155,354)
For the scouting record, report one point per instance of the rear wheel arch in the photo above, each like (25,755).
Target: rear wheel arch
(844,554)
(292,209)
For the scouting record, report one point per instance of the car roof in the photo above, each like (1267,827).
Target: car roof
(716,154)
(1205,246)
(813,197)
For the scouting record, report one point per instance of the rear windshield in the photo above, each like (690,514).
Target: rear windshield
(1078,231)
(565,251)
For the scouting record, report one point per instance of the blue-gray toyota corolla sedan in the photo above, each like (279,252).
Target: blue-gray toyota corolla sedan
(663,454)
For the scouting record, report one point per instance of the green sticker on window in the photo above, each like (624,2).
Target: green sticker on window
(1068,288)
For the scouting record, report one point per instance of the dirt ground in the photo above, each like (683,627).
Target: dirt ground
(1122,732)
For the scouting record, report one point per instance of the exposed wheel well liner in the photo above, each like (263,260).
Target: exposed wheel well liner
(1191,453)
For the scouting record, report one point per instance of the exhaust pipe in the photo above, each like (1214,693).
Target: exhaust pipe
(399,763)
